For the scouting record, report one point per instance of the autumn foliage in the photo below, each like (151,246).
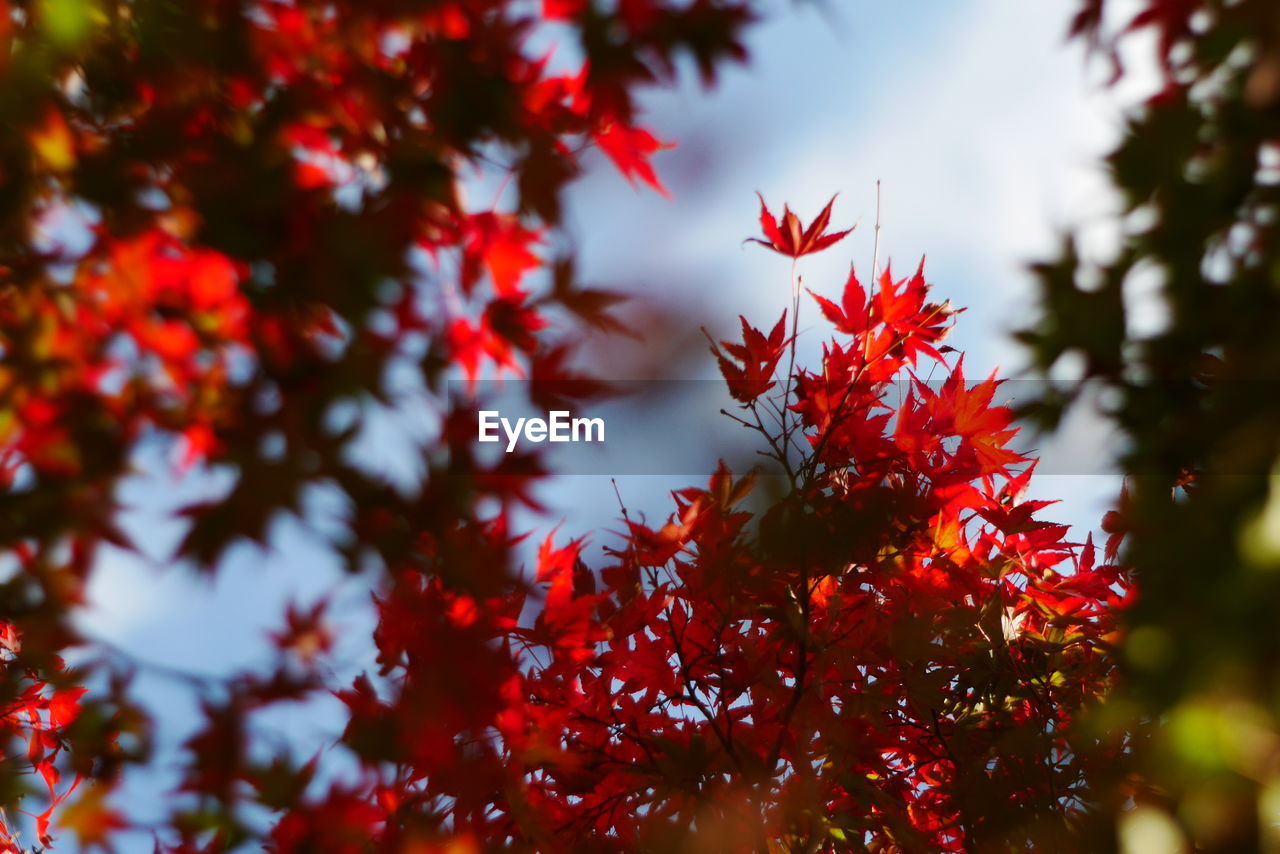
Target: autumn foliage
(222,222)
(219,224)
(895,654)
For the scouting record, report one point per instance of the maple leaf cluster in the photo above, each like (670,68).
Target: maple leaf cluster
(896,654)
(36,714)
(892,654)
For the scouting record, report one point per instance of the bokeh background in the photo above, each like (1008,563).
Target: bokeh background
(985,129)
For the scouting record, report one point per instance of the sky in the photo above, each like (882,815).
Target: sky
(984,129)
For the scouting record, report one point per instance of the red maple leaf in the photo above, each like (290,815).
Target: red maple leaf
(851,316)
(759,356)
(500,245)
(791,238)
(630,149)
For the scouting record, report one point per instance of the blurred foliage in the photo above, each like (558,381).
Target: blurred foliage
(1198,399)
(225,226)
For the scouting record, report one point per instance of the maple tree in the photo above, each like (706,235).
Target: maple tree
(1178,327)
(892,654)
(222,222)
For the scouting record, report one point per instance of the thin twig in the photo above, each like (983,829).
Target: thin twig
(875,251)
(791,360)
(621,506)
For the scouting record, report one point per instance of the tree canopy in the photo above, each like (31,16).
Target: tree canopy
(225,223)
